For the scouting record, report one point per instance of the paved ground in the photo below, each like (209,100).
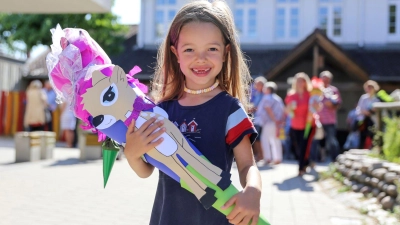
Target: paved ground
(67,191)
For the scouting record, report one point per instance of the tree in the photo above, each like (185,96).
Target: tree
(34,29)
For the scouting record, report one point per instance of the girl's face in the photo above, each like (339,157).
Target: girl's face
(201,52)
(300,84)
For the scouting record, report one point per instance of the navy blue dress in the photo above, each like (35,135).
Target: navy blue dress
(214,128)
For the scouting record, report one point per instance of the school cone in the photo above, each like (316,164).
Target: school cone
(110,151)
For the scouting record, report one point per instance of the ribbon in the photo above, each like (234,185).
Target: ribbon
(134,81)
(138,106)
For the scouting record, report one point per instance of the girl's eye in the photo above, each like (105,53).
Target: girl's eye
(213,49)
(188,50)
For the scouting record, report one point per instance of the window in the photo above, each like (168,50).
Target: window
(284,1)
(159,23)
(323,19)
(165,12)
(337,21)
(252,22)
(280,23)
(287,19)
(171,15)
(392,19)
(294,22)
(330,17)
(245,1)
(239,20)
(245,17)
(166,2)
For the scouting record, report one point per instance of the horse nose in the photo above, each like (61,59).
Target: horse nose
(98,120)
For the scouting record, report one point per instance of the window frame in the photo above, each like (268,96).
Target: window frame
(287,33)
(243,23)
(331,27)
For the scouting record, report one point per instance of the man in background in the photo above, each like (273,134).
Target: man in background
(256,96)
(328,115)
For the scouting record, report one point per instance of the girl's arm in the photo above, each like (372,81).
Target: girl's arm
(247,202)
(139,142)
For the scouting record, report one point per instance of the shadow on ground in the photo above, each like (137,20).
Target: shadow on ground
(303,183)
(70,162)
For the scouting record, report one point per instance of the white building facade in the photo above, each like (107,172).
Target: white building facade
(274,23)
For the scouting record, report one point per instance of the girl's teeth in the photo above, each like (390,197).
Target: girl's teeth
(200,71)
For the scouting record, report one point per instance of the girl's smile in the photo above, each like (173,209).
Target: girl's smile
(200,72)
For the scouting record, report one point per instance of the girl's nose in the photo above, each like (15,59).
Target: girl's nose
(201,57)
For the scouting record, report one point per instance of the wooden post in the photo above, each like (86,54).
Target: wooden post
(379,128)
(315,60)
(2,111)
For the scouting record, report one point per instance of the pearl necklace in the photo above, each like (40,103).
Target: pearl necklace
(196,92)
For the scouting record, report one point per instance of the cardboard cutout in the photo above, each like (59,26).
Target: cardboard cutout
(107,100)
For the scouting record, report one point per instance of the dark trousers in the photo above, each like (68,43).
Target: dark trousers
(49,125)
(36,128)
(364,128)
(302,146)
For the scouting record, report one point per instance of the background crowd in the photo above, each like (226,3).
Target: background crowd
(303,125)
(300,126)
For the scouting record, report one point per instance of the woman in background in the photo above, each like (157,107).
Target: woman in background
(297,106)
(36,104)
(68,123)
(364,112)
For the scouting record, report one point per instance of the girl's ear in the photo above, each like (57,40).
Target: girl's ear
(227,50)
(173,49)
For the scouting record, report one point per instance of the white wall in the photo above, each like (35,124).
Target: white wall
(10,75)
(376,21)
(364,22)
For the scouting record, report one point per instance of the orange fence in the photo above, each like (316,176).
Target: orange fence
(12,109)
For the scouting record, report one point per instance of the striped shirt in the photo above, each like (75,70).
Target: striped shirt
(328,115)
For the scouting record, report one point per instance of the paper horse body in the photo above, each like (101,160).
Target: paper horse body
(107,99)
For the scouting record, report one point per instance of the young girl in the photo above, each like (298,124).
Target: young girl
(200,81)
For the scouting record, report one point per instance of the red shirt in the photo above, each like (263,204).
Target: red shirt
(299,119)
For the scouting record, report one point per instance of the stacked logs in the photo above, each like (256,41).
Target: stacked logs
(370,176)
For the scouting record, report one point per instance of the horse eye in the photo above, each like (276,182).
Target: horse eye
(109,95)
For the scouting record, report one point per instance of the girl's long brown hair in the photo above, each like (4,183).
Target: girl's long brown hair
(168,82)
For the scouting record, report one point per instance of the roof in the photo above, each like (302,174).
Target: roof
(10,59)
(381,64)
(328,47)
(36,67)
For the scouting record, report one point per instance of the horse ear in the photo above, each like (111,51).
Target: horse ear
(118,75)
(96,77)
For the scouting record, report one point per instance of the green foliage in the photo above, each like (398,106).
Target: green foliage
(391,139)
(343,189)
(34,29)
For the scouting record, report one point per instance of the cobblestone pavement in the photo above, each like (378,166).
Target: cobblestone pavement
(65,190)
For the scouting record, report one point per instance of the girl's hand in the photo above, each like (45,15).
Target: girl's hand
(141,141)
(247,207)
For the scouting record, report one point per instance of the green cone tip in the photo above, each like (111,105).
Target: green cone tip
(109,157)
(110,151)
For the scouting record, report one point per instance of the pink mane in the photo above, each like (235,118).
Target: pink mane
(74,56)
